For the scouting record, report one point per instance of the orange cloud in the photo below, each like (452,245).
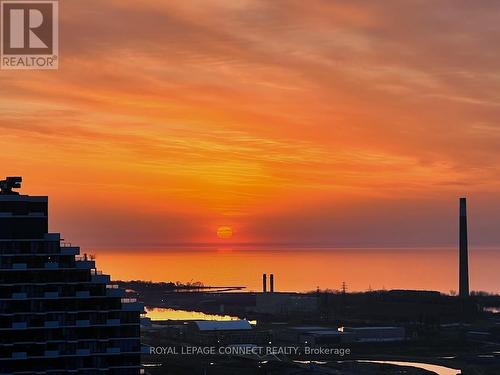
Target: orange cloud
(227,112)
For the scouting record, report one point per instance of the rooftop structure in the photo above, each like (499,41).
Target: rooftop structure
(10,183)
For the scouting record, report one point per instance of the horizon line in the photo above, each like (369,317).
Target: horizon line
(282,246)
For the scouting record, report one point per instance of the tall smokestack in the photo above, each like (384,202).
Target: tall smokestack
(271,283)
(264,283)
(463,249)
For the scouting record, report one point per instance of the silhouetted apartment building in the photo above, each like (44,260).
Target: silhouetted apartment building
(58,314)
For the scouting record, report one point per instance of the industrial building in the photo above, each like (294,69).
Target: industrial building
(224,332)
(286,304)
(283,303)
(302,335)
(325,336)
(58,313)
(374,334)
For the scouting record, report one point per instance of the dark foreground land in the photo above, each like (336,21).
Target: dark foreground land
(242,367)
(438,329)
(469,358)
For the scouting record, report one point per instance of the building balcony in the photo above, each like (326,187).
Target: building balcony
(114,291)
(70,250)
(51,324)
(51,353)
(82,294)
(19,295)
(131,304)
(85,261)
(99,278)
(52,237)
(85,264)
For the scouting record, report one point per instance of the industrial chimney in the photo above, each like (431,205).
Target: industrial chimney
(463,251)
(264,283)
(271,283)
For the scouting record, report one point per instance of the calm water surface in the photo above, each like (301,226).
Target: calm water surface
(440,370)
(172,314)
(307,269)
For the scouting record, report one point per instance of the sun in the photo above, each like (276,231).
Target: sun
(224,232)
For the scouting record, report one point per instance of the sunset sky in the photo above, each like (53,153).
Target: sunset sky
(305,122)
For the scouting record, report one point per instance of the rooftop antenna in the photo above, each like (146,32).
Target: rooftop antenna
(10,183)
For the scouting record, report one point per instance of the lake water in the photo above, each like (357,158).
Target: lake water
(155,313)
(440,370)
(307,269)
